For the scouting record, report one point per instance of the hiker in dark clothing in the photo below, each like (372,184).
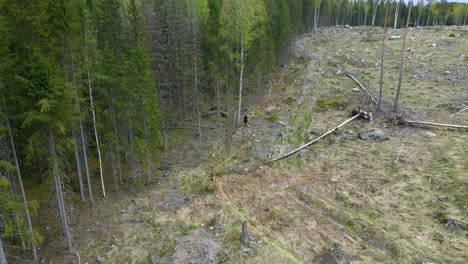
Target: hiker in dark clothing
(246,120)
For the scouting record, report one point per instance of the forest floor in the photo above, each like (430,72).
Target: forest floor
(340,200)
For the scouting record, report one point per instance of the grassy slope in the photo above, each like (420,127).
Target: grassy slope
(340,190)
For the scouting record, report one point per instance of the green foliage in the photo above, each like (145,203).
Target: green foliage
(273,116)
(335,102)
(289,100)
(12,213)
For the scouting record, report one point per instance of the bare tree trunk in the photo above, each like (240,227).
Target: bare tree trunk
(315,20)
(59,193)
(62,210)
(218,103)
(397,8)
(20,182)
(78,166)
(419,16)
(365,17)
(315,140)
(85,155)
(2,254)
(374,11)
(395,105)
(383,55)
(114,175)
(117,144)
(161,115)
(90,191)
(241,81)
(428,16)
(191,12)
(75,137)
(38,166)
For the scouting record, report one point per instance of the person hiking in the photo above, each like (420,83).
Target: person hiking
(246,120)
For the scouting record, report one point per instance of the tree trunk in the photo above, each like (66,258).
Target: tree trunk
(114,175)
(428,16)
(241,81)
(2,254)
(365,18)
(315,140)
(382,58)
(315,20)
(78,166)
(20,182)
(419,16)
(117,144)
(191,12)
(85,157)
(90,191)
(397,8)
(403,49)
(59,192)
(62,211)
(76,146)
(37,163)
(374,11)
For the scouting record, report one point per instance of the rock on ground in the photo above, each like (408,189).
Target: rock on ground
(373,134)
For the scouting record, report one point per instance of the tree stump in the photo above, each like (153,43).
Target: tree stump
(245,236)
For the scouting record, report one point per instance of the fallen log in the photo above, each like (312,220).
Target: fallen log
(461,111)
(410,122)
(191,127)
(363,88)
(223,113)
(317,139)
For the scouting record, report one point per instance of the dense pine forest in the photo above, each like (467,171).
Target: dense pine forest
(90,88)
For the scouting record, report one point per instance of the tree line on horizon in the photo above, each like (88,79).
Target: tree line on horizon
(89,88)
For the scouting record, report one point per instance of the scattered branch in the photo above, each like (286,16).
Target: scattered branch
(317,139)
(399,152)
(427,56)
(363,88)
(410,122)
(461,111)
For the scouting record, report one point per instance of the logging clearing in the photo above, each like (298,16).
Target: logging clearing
(299,184)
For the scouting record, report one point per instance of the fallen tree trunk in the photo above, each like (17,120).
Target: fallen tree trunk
(410,122)
(223,113)
(192,127)
(363,88)
(317,139)
(461,111)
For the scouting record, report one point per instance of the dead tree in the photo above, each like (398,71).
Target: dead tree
(20,182)
(403,49)
(410,122)
(317,139)
(382,58)
(56,172)
(2,254)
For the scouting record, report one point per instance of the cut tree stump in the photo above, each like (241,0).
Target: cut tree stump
(245,236)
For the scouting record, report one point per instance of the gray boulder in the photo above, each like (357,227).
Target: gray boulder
(373,134)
